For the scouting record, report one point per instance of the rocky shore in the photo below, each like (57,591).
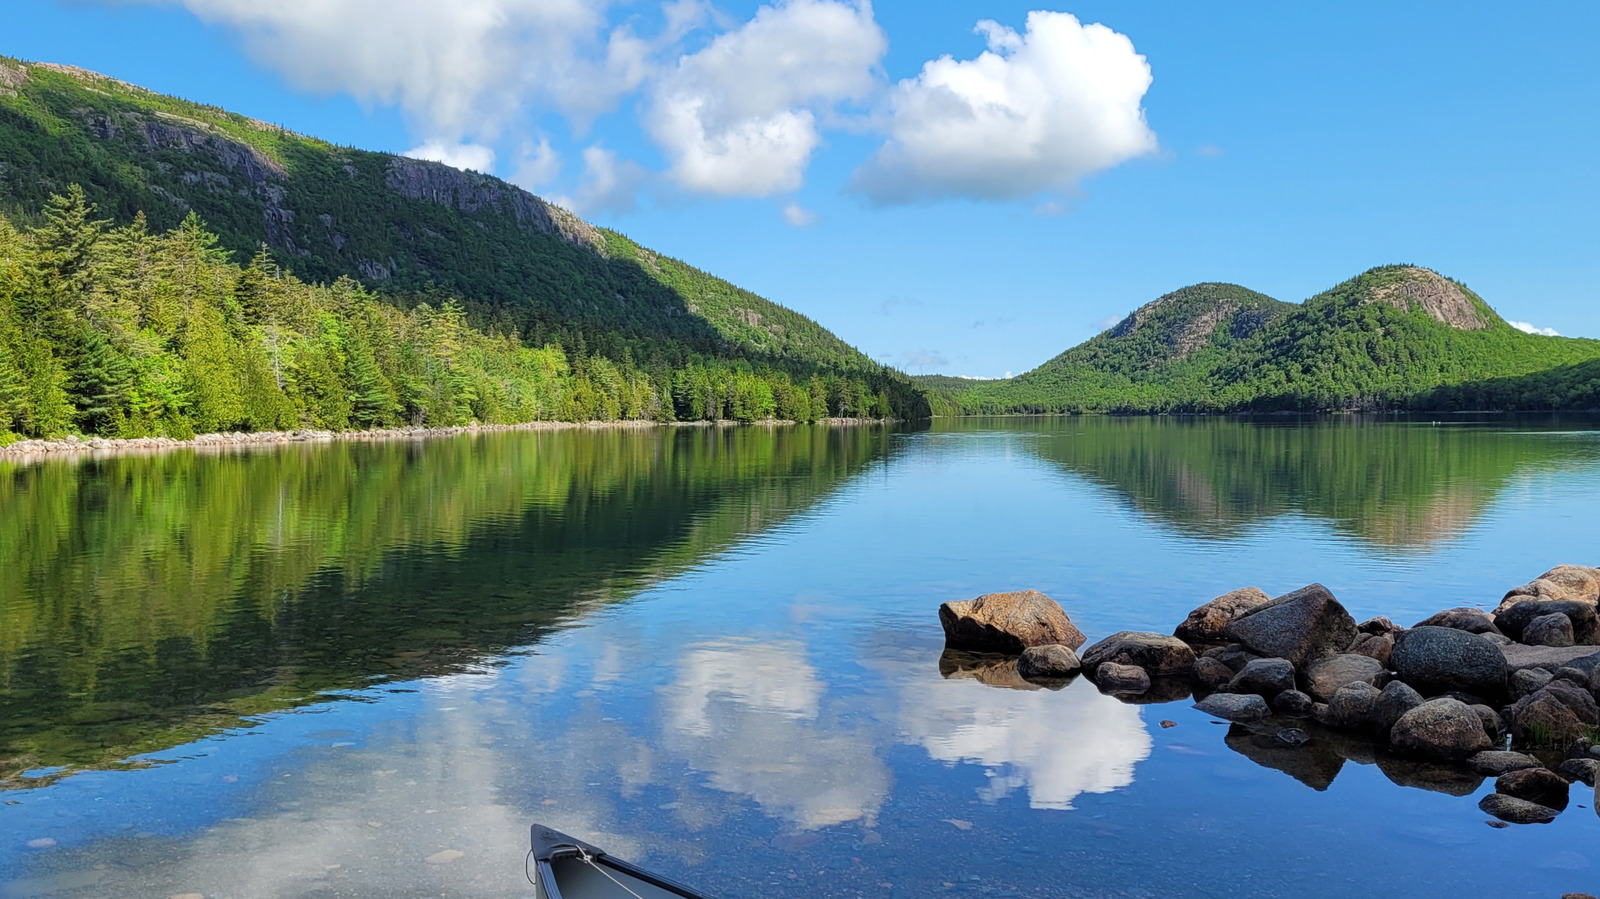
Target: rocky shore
(1456,698)
(30,450)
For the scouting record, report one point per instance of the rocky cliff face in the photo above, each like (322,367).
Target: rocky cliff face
(472,192)
(1186,320)
(1442,299)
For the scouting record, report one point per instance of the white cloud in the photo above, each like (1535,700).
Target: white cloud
(475,157)
(922,359)
(466,67)
(538,165)
(739,117)
(1527,328)
(609,184)
(1036,112)
(799,216)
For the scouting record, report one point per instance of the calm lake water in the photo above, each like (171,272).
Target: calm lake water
(363,670)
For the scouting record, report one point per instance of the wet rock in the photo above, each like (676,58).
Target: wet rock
(986,668)
(1375,646)
(1293,703)
(1351,706)
(1439,659)
(1376,625)
(1211,672)
(1112,677)
(1394,700)
(1473,621)
(1266,677)
(1007,623)
(1234,706)
(1439,728)
(1158,654)
(1585,770)
(1513,620)
(1161,689)
(1516,811)
(1554,629)
(1204,626)
(1325,678)
(1294,736)
(1495,762)
(1303,627)
(1450,778)
(1528,680)
(1050,662)
(1550,658)
(1537,785)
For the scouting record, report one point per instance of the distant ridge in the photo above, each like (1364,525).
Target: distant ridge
(1397,337)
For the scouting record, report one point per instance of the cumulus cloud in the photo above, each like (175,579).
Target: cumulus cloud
(740,117)
(799,216)
(475,157)
(537,165)
(609,184)
(462,68)
(1036,112)
(1527,328)
(922,359)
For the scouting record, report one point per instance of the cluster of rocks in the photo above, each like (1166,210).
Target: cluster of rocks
(75,444)
(1445,701)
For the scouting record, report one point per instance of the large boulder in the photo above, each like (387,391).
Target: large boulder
(1351,706)
(1554,629)
(1562,582)
(1051,662)
(1514,619)
(1234,706)
(1528,680)
(1376,646)
(1007,623)
(1266,677)
(1473,621)
(1393,702)
(1439,728)
(1495,762)
(1112,677)
(1303,627)
(1554,715)
(1204,626)
(1324,678)
(1550,658)
(1441,659)
(1158,654)
(1537,785)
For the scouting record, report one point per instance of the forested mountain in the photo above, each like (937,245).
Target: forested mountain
(1397,337)
(364,254)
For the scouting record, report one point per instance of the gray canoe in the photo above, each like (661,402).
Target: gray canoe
(568,868)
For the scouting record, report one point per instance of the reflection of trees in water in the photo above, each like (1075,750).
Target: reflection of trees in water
(147,601)
(1396,485)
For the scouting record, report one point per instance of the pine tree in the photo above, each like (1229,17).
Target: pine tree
(68,237)
(11,390)
(100,383)
(253,287)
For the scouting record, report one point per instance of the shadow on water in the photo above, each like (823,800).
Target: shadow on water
(150,601)
(1392,484)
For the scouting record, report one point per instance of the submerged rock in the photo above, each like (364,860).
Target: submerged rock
(1441,659)
(1049,662)
(1324,678)
(1516,811)
(1158,654)
(1234,706)
(1204,626)
(1112,677)
(1439,728)
(1007,623)
(1303,627)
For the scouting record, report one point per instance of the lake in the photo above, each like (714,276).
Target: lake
(364,669)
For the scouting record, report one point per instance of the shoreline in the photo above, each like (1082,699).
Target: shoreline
(75,447)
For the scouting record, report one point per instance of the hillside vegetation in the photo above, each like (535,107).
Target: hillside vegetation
(425,241)
(1393,338)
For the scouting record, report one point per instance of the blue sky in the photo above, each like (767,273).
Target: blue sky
(1285,147)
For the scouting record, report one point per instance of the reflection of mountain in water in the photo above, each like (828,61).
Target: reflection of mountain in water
(1397,485)
(148,601)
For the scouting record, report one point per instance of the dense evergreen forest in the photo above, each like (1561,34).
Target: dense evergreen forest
(120,332)
(1391,339)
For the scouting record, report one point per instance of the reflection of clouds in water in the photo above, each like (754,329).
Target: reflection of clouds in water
(1056,745)
(750,716)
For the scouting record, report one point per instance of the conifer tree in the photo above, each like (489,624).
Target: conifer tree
(100,383)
